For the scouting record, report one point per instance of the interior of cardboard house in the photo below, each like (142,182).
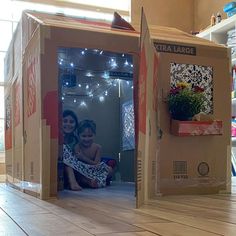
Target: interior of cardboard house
(98,85)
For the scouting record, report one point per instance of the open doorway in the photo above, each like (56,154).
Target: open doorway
(97,85)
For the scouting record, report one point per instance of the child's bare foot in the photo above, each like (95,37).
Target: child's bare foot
(75,187)
(93,183)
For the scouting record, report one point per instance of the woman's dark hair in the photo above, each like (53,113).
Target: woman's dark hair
(84,124)
(72,114)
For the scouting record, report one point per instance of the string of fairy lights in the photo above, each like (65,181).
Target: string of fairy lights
(106,71)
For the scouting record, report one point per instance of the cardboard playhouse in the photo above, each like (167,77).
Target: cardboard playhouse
(165,163)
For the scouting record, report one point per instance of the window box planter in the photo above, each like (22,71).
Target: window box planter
(196,128)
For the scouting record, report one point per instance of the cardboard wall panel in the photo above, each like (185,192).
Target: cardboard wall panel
(142,133)
(29,27)
(32,116)
(8,134)
(8,63)
(53,38)
(18,131)
(17,49)
(189,156)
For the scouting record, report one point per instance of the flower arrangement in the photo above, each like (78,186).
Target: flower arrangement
(185,101)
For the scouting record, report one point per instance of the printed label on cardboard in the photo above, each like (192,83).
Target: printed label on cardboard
(174,48)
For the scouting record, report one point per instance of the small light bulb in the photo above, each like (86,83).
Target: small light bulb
(105,75)
(101,99)
(83,104)
(113,64)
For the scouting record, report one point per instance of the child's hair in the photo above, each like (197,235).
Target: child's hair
(86,124)
(72,114)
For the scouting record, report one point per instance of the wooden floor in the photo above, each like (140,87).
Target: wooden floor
(111,211)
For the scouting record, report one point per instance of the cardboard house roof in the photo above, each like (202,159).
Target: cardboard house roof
(162,33)
(64,21)
(157,33)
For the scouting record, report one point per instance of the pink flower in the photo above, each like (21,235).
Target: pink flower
(197,89)
(175,91)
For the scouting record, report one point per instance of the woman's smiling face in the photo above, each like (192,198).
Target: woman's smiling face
(69,124)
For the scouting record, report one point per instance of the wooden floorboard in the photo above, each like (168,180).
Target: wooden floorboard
(111,211)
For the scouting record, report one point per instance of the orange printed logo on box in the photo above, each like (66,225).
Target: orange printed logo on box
(8,123)
(142,92)
(31,88)
(17,103)
(154,91)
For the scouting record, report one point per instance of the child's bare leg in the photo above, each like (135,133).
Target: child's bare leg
(72,180)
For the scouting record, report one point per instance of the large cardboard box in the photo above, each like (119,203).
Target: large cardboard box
(166,164)
(169,164)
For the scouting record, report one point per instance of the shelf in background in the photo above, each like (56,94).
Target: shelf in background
(222,27)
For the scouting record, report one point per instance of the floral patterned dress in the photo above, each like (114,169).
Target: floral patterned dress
(97,172)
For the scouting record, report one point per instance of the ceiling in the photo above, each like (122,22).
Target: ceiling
(91,73)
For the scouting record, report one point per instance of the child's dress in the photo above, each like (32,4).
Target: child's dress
(97,172)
